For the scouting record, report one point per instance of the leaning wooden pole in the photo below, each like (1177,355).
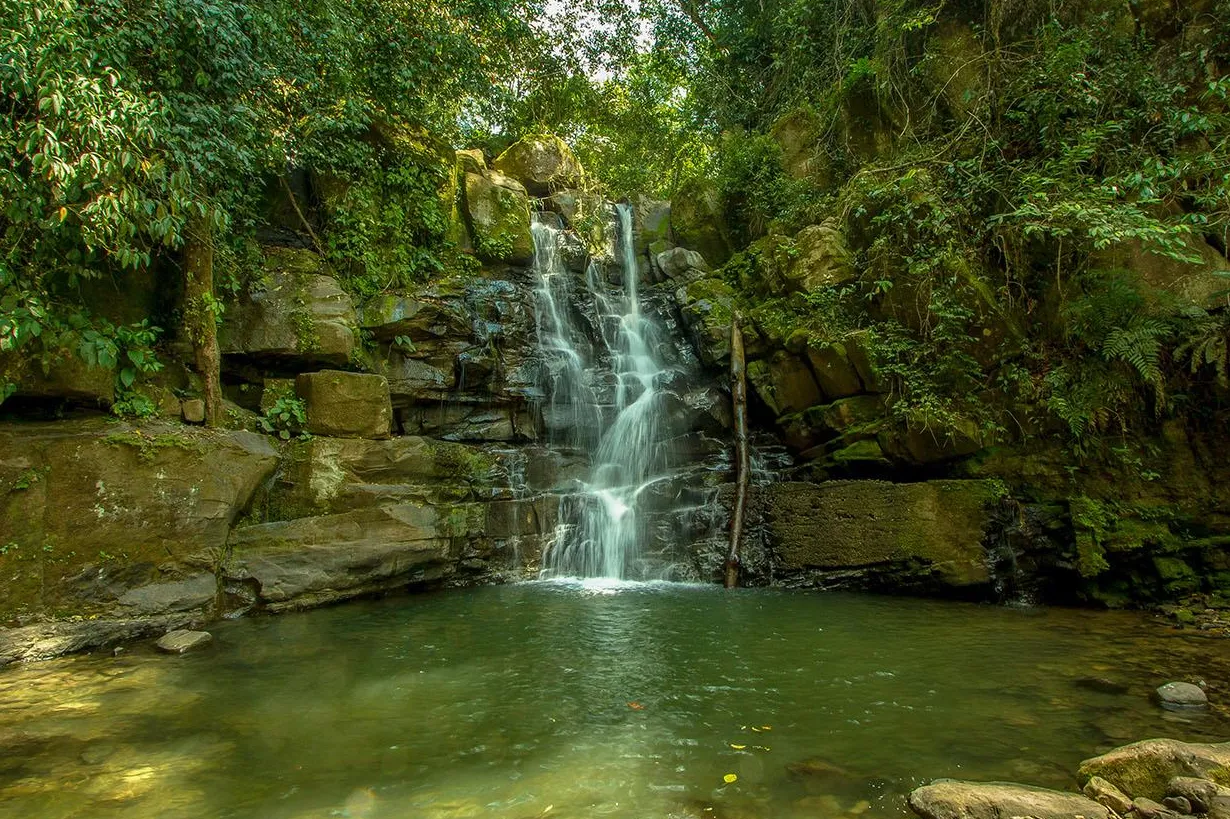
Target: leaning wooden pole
(201,314)
(743,461)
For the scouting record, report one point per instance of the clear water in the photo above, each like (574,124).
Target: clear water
(583,700)
(602,524)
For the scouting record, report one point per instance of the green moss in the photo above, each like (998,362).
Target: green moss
(462,462)
(148,446)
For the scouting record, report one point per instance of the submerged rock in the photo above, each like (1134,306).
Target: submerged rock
(950,799)
(179,642)
(1182,695)
(1145,769)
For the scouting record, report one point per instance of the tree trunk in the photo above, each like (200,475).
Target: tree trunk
(743,461)
(201,313)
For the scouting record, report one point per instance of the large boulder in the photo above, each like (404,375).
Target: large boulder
(698,222)
(681,265)
(91,510)
(822,258)
(784,383)
(346,405)
(542,163)
(293,314)
(498,215)
(1144,769)
(874,534)
(950,799)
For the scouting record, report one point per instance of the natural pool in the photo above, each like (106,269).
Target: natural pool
(578,700)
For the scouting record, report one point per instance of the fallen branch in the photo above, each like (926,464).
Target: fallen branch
(743,461)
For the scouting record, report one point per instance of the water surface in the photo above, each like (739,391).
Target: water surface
(579,700)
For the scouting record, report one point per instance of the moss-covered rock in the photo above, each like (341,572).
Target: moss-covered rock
(874,534)
(822,258)
(1144,769)
(498,216)
(63,376)
(292,314)
(698,222)
(784,383)
(346,405)
(543,163)
(93,509)
(1205,282)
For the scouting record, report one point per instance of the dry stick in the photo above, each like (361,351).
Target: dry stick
(743,461)
(201,319)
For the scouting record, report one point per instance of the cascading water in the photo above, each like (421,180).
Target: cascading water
(602,526)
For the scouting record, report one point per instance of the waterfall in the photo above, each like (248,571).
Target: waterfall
(602,526)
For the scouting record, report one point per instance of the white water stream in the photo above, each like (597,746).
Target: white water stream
(602,526)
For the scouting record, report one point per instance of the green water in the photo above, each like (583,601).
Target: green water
(571,701)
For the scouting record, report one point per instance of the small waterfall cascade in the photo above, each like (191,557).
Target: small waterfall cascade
(602,526)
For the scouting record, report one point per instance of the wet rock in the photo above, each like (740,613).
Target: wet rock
(1145,769)
(877,534)
(179,642)
(949,799)
(542,163)
(346,405)
(1182,696)
(295,314)
(1201,794)
(1104,793)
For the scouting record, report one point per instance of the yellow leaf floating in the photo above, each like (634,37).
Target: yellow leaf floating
(728,778)
(737,747)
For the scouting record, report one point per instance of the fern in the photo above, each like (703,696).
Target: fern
(1139,345)
(1207,344)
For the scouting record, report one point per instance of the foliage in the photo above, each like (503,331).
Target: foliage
(285,418)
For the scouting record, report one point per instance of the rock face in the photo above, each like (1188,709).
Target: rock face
(498,215)
(869,534)
(948,799)
(543,164)
(295,315)
(95,509)
(1145,769)
(346,405)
